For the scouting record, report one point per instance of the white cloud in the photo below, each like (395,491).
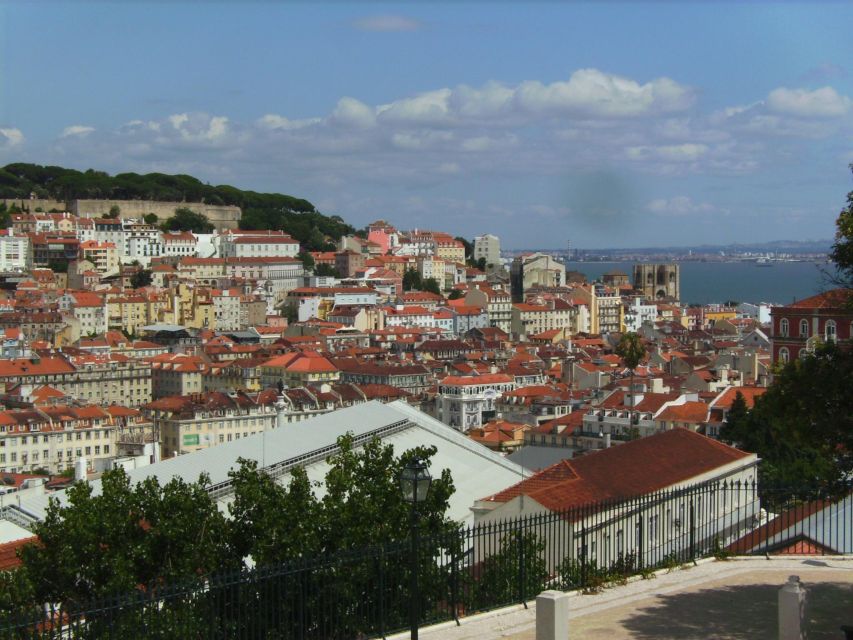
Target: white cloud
(825,102)
(432,107)
(353,113)
(593,92)
(687,152)
(273,121)
(678,206)
(10,137)
(387,23)
(76,130)
(196,128)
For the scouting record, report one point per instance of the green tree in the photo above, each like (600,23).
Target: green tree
(736,420)
(185,219)
(802,427)
(842,249)
(141,278)
(307,260)
(431,285)
(516,571)
(150,218)
(455,294)
(469,247)
(326,269)
(114,212)
(632,351)
(411,280)
(111,543)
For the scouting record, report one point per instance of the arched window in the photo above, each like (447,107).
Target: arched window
(802,353)
(784,356)
(830,331)
(783,327)
(804,328)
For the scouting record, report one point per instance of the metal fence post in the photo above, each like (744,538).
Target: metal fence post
(692,533)
(521,567)
(381,559)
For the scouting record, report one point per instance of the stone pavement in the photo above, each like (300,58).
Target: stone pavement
(731,599)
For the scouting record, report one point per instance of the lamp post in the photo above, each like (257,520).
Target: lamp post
(414,484)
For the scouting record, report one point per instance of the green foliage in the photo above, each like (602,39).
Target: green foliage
(412,280)
(150,218)
(296,216)
(5,216)
(592,578)
(111,543)
(631,349)
(802,427)
(455,294)
(842,250)
(185,219)
(516,571)
(58,266)
(469,247)
(270,522)
(307,260)
(114,212)
(326,270)
(141,278)
(431,285)
(735,420)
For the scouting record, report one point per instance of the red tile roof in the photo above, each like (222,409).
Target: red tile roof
(834,299)
(635,468)
(489,378)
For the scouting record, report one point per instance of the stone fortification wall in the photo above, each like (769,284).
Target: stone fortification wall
(222,217)
(31,204)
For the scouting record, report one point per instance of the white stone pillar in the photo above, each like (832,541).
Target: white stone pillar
(792,600)
(552,616)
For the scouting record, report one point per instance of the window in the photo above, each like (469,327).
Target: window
(831,331)
(804,328)
(106,449)
(784,356)
(783,327)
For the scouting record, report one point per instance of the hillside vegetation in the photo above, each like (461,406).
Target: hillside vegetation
(260,210)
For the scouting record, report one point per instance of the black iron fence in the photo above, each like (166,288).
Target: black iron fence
(517,550)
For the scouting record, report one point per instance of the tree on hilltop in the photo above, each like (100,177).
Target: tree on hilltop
(185,219)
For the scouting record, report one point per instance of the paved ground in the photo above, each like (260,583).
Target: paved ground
(733,599)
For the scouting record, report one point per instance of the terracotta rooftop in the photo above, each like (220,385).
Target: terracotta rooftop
(631,469)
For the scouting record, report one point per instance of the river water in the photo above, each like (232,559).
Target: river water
(709,282)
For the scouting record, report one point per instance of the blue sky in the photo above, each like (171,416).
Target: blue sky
(635,124)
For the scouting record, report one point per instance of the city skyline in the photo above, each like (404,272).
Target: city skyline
(617,125)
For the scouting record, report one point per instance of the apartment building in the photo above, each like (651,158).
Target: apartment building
(242,243)
(53,438)
(531,319)
(488,247)
(188,423)
(14,251)
(107,379)
(466,402)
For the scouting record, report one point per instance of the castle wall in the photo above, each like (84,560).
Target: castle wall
(222,217)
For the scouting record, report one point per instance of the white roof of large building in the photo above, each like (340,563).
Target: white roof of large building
(476,470)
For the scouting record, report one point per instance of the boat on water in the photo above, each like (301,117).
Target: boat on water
(764,262)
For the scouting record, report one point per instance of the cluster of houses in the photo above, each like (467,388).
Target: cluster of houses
(236,341)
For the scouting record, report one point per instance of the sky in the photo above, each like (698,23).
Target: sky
(604,125)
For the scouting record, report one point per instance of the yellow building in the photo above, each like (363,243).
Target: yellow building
(298,369)
(104,255)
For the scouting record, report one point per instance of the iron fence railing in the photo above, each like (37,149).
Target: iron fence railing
(502,560)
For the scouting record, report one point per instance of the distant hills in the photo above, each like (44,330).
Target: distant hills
(296,216)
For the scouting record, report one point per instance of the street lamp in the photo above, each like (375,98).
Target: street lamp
(414,484)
